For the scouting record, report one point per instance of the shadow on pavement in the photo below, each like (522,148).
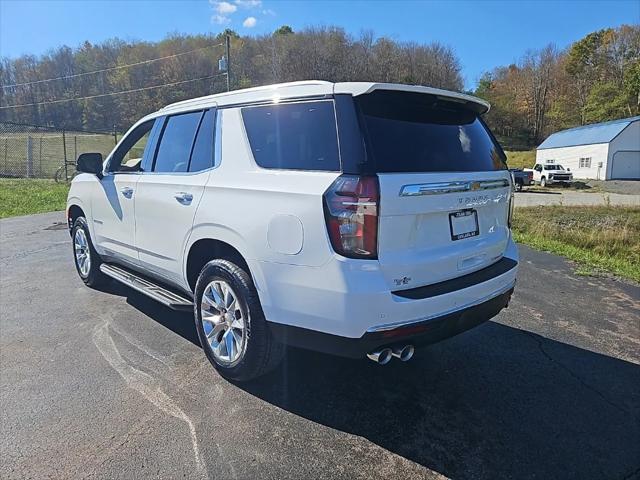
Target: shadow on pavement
(495,402)
(545,192)
(180,322)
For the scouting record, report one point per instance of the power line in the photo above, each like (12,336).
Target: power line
(109,94)
(144,62)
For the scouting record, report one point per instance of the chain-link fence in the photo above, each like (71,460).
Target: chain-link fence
(34,151)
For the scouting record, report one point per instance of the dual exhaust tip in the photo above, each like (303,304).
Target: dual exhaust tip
(385,355)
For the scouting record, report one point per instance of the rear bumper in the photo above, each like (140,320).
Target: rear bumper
(417,333)
(346,308)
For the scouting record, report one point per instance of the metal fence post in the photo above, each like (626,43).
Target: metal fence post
(64,152)
(29,156)
(40,157)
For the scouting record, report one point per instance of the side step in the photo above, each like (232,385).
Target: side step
(142,285)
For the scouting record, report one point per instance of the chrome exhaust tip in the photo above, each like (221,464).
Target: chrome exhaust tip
(381,357)
(403,353)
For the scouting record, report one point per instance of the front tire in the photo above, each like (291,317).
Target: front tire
(231,325)
(85,257)
(543,182)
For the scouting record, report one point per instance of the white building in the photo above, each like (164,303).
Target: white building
(603,151)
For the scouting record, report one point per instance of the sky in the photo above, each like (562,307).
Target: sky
(483,34)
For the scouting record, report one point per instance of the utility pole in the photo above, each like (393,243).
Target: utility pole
(227,48)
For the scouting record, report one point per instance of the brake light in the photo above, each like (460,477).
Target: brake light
(512,191)
(351,213)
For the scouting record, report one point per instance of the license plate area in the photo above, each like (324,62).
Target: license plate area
(464,224)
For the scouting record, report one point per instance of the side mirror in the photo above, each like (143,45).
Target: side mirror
(90,163)
(568,169)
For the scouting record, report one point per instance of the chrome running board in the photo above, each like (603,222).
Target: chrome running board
(146,287)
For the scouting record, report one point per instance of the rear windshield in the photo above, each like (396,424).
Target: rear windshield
(417,132)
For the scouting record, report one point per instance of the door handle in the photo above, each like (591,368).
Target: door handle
(127,191)
(183,197)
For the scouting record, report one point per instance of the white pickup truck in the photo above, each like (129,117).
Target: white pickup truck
(550,173)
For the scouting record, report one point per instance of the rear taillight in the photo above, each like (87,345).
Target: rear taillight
(351,212)
(511,201)
(510,218)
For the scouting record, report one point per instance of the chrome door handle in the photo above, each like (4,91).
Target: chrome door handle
(127,191)
(183,197)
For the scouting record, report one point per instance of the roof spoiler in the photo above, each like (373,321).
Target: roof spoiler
(362,88)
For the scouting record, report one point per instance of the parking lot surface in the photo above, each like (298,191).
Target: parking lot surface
(108,384)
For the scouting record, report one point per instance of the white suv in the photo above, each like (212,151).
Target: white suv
(357,219)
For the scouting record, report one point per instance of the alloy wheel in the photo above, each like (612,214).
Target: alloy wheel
(223,321)
(83,255)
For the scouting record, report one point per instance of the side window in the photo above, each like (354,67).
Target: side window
(538,168)
(202,155)
(128,156)
(176,141)
(296,136)
(152,143)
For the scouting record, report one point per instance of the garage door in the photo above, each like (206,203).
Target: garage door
(625,165)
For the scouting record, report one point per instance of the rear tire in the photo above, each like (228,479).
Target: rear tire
(234,333)
(86,259)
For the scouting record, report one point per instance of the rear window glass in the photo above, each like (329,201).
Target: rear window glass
(416,132)
(296,136)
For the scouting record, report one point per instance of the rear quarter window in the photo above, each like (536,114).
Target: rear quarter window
(417,132)
(294,136)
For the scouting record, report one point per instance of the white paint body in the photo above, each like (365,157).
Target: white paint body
(275,219)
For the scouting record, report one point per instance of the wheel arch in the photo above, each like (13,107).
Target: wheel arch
(208,245)
(74,210)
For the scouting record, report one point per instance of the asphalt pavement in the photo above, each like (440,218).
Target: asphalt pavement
(108,384)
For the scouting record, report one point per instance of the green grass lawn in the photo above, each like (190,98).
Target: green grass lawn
(26,196)
(524,159)
(599,239)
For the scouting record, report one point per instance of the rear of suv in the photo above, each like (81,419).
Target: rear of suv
(356,219)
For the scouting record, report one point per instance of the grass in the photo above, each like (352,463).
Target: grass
(524,159)
(27,196)
(600,239)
